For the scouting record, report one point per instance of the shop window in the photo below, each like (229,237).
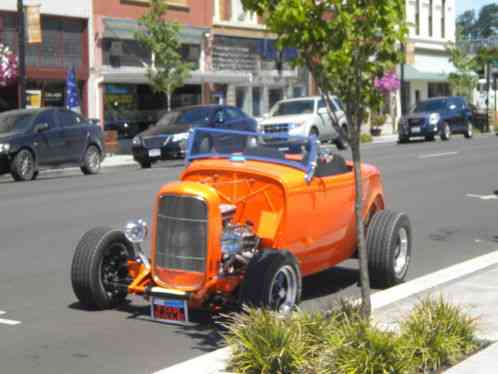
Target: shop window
(438,89)
(118,52)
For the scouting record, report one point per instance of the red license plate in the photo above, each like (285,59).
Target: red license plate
(169,310)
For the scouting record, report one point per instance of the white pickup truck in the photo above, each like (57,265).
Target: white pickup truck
(305,116)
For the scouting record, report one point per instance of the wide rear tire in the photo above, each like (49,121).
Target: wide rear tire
(272,281)
(99,272)
(389,245)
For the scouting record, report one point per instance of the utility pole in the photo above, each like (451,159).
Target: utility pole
(21,53)
(402,80)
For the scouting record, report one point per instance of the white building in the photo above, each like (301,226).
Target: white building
(431,28)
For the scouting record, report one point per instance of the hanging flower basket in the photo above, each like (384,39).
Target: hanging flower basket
(8,66)
(388,83)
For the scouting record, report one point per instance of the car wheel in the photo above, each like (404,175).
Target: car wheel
(91,160)
(389,245)
(145,164)
(99,272)
(429,138)
(23,166)
(403,139)
(272,281)
(445,132)
(469,131)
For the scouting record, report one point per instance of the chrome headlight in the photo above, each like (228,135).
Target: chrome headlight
(434,118)
(136,230)
(4,148)
(137,140)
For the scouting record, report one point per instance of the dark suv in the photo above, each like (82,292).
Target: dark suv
(34,138)
(441,116)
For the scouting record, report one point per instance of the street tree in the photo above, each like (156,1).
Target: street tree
(167,69)
(345,45)
(464,80)
(483,26)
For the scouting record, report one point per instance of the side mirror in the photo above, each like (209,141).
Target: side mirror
(41,127)
(322,111)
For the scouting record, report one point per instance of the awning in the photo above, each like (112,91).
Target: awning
(118,28)
(429,68)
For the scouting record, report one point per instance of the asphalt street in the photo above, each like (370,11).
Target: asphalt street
(447,189)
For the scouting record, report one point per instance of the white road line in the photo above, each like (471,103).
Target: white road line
(437,155)
(9,322)
(483,197)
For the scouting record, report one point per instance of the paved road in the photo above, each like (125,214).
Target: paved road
(42,221)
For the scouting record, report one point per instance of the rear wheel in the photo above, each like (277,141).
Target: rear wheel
(469,131)
(389,248)
(403,139)
(99,272)
(91,161)
(445,132)
(145,164)
(23,166)
(272,281)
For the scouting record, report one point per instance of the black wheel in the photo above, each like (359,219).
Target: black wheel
(99,272)
(469,131)
(91,160)
(403,139)
(145,164)
(23,166)
(389,245)
(272,281)
(429,138)
(445,132)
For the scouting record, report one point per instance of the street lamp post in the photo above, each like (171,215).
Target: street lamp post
(21,53)
(402,80)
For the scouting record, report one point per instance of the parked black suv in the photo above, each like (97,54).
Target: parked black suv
(441,116)
(33,138)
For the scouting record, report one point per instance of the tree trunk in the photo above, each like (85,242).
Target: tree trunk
(168,98)
(366,306)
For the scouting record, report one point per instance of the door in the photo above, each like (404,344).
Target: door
(48,139)
(75,131)
(453,114)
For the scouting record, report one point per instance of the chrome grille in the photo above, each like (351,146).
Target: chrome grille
(154,142)
(181,233)
(280,127)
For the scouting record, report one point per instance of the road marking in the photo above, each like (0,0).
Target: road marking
(483,197)
(430,155)
(9,322)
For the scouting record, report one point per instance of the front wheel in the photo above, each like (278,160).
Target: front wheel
(445,132)
(23,166)
(469,131)
(91,161)
(272,281)
(389,246)
(99,272)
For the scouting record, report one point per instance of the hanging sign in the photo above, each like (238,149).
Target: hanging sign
(33,24)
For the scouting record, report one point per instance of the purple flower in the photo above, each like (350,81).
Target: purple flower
(388,83)
(8,66)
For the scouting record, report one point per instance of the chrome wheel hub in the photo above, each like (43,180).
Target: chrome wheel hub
(401,256)
(283,290)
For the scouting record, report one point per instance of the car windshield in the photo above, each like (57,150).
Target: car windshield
(429,106)
(238,146)
(15,122)
(285,108)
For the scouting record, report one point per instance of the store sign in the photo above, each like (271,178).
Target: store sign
(33,24)
(33,99)
(234,54)
(409,53)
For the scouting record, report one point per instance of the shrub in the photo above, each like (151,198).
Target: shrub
(263,342)
(437,334)
(365,138)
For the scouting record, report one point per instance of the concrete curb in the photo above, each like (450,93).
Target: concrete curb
(215,362)
(482,362)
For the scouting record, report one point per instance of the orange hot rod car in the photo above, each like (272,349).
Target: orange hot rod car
(250,217)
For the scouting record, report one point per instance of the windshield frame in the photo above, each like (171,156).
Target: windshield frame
(308,167)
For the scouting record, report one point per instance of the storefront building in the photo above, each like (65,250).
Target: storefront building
(64,46)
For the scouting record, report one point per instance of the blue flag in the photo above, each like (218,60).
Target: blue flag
(72,101)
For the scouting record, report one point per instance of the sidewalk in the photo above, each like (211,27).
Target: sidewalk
(472,284)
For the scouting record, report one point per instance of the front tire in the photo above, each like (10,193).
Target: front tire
(272,281)
(469,131)
(445,132)
(23,166)
(389,245)
(91,161)
(145,164)
(99,272)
